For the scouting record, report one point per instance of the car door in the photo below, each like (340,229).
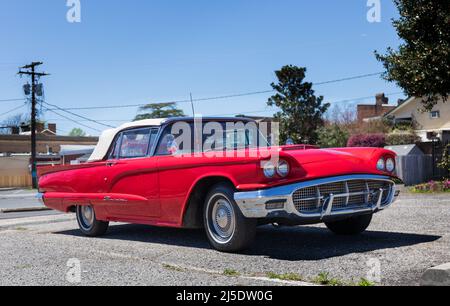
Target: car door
(131,177)
(176,171)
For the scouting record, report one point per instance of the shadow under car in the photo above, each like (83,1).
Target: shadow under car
(285,243)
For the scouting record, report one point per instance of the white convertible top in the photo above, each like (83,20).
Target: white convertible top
(107,137)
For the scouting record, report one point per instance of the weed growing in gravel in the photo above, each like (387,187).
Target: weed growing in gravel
(288,276)
(365,283)
(231,272)
(23,267)
(324,279)
(172,268)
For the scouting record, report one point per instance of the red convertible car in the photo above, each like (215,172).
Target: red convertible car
(140,173)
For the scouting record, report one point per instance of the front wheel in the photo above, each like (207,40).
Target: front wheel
(226,227)
(352,226)
(88,223)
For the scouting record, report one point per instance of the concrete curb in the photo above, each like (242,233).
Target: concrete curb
(437,276)
(18,196)
(23,209)
(8,189)
(30,221)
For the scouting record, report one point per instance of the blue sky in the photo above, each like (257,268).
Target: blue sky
(139,51)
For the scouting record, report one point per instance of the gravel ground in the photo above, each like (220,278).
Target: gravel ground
(407,239)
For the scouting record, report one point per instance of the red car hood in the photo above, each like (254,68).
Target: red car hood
(322,155)
(311,163)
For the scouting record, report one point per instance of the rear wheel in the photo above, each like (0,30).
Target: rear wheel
(88,223)
(352,226)
(226,227)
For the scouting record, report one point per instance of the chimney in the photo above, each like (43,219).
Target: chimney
(381,99)
(52,127)
(39,127)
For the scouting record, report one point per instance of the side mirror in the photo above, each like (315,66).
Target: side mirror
(172,147)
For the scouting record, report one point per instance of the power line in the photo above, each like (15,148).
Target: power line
(12,110)
(12,100)
(72,120)
(79,116)
(367,97)
(122,106)
(249,112)
(333,102)
(216,97)
(349,78)
(97,120)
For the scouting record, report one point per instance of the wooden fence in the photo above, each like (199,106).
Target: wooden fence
(14,172)
(415,169)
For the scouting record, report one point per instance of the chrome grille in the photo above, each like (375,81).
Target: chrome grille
(307,199)
(347,194)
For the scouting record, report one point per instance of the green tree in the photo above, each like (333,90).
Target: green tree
(445,162)
(301,111)
(421,65)
(159,110)
(77,132)
(332,136)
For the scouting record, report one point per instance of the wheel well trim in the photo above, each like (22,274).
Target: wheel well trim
(217,178)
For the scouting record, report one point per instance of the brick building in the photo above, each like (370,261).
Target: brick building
(368,112)
(11,144)
(41,128)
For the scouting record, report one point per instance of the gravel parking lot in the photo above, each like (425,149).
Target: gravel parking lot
(407,239)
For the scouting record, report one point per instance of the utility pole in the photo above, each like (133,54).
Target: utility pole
(31,71)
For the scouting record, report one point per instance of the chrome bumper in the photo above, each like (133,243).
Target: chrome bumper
(278,202)
(40,197)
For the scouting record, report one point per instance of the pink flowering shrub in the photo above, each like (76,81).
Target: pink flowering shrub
(367,140)
(433,186)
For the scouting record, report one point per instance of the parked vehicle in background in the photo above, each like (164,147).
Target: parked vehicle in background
(141,173)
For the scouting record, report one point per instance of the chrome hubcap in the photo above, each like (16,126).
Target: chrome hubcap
(87,216)
(222,220)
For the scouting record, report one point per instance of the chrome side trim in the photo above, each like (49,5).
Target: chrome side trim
(109,199)
(253,203)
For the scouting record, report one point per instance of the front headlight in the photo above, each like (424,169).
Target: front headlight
(283,168)
(381,165)
(269,170)
(390,165)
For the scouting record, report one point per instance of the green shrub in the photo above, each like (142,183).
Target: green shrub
(332,136)
(398,139)
(445,162)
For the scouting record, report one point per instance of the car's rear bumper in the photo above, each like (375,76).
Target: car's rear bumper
(279,202)
(40,197)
